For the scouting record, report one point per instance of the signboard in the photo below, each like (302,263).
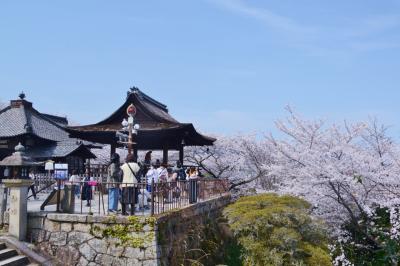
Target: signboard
(131,110)
(49,166)
(60,171)
(61,166)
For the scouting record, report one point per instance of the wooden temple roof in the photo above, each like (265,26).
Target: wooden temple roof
(157,127)
(20,120)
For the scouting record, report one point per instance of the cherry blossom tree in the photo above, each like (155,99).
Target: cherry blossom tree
(349,172)
(240,159)
(346,172)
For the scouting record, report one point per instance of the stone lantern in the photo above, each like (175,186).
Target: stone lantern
(19,164)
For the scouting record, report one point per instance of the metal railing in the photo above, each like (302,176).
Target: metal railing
(133,198)
(43,182)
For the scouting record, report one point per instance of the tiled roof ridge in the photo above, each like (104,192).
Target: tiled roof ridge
(28,121)
(47,119)
(5,109)
(149,99)
(57,117)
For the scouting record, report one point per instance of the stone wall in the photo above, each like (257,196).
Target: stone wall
(187,235)
(111,240)
(94,240)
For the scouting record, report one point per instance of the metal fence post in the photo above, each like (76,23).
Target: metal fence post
(58,194)
(152,197)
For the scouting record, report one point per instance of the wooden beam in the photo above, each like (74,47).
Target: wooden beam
(181,154)
(135,153)
(113,149)
(165,153)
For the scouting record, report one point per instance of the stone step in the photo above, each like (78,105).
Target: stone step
(3,246)
(7,253)
(15,261)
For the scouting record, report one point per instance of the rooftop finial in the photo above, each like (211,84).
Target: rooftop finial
(134,89)
(22,95)
(19,147)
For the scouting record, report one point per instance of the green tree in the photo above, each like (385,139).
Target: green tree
(277,230)
(380,249)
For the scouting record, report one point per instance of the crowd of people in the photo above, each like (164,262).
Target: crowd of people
(123,183)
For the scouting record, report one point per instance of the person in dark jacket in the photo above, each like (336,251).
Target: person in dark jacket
(87,189)
(180,171)
(113,179)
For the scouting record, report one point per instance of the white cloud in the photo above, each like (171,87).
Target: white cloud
(354,36)
(271,19)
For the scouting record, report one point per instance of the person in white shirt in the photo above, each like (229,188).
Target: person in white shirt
(32,187)
(144,197)
(75,179)
(152,174)
(130,170)
(163,173)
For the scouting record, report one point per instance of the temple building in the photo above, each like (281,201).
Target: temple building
(158,129)
(43,135)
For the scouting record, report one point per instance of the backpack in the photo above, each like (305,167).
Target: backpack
(181,174)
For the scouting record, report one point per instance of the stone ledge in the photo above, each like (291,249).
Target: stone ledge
(37,214)
(65,217)
(82,218)
(188,211)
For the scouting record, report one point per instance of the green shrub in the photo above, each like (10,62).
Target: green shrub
(277,230)
(379,248)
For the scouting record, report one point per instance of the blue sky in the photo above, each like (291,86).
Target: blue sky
(225,65)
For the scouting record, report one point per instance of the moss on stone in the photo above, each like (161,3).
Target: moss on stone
(131,234)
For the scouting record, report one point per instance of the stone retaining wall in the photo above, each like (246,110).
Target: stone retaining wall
(84,240)
(183,235)
(111,240)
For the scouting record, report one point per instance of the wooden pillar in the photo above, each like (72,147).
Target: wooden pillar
(181,154)
(113,149)
(135,154)
(165,153)
(130,140)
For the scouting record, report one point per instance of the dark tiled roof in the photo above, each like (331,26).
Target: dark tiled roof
(62,121)
(154,111)
(157,126)
(59,150)
(16,121)
(12,121)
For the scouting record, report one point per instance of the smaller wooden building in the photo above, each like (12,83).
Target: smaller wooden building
(44,136)
(158,129)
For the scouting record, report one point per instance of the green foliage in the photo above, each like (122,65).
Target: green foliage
(370,242)
(277,230)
